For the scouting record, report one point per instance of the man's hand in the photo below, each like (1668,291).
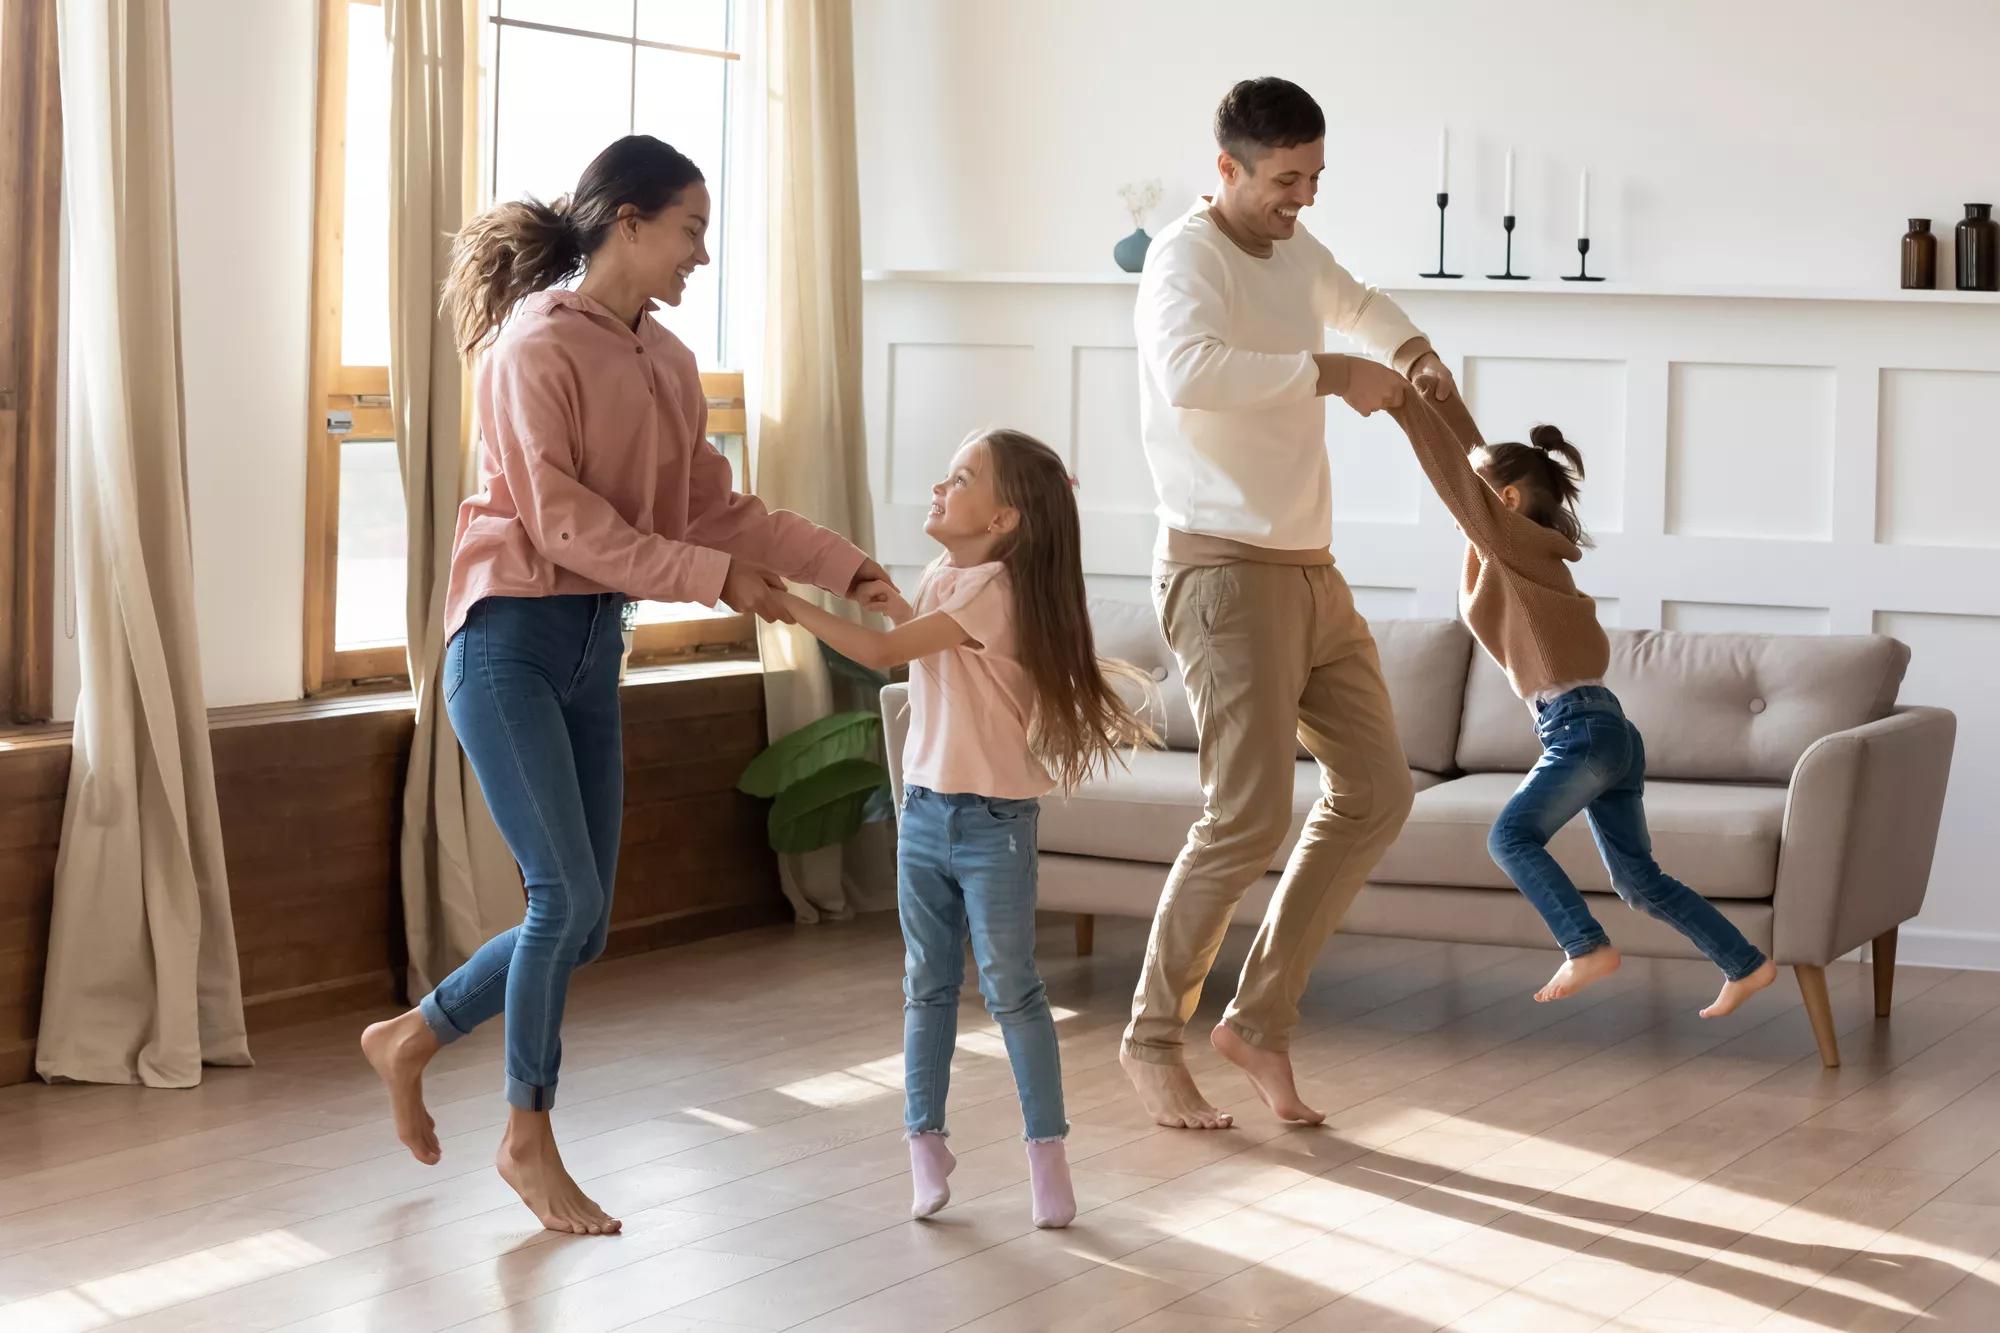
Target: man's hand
(749,589)
(1432,379)
(880,596)
(1372,387)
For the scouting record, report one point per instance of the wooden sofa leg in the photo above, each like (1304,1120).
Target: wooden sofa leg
(1884,953)
(1812,985)
(1086,934)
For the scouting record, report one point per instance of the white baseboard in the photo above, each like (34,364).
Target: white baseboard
(1922,946)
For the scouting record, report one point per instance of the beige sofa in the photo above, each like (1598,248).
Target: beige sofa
(1784,783)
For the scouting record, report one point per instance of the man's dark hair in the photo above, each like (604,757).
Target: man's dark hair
(1261,114)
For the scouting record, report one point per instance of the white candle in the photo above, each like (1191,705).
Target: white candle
(1444,161)
(1583,205)
(1508,211)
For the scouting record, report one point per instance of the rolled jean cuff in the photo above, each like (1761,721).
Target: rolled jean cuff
(1048,1138)
(529,1097)
(1757,960)
(438,1021)
(1586,946)
(940,1133)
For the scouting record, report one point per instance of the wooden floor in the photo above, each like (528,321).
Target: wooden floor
(1610,1162)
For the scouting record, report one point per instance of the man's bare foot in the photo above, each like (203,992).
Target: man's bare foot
(1734,993)
(528,1161)
(1270,1073)
(1170,1096)
(1577,973)
(399,1048)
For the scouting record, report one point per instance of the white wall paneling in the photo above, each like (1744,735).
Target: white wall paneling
(1742,454)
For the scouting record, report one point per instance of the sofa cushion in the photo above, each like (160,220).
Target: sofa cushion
(1720,839)
(1713,707)
(1424,662)
(1144,813)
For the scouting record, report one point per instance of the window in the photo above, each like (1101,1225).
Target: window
(355,543)
(663,67)
(30,277)
(660,67)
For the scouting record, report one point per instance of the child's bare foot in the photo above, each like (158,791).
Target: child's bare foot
(1734,993)
(399,1049)
(1577,973)
(1270,1073)
(529,1163)
(1170,1096)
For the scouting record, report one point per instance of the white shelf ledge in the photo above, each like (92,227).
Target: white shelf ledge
(1476,285)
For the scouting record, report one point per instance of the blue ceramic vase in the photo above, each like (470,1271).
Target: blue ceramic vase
(1131,252)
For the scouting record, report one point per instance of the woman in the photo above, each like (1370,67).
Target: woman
(598,484)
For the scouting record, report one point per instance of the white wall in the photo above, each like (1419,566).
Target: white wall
(1783,141)
(1792,466)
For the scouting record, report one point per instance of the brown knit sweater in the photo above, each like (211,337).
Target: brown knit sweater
(1517,595)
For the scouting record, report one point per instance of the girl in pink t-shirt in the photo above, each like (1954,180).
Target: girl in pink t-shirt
(1008,701)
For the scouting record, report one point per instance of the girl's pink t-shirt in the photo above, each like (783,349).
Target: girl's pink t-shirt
(970,706)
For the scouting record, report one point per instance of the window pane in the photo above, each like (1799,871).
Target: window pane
(650,613)
(612,16)
(562,101)
(683,99)
(703,23)
(371,588)
(364,273)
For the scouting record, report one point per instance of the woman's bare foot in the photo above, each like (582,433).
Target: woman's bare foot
(1170,1096)
(1734,993)
(528,1161)
(1577,973)
(399,1048)
(1270,1073)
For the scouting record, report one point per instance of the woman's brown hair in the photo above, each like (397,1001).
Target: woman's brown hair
(515,249)
(1547,471)
(1080,724)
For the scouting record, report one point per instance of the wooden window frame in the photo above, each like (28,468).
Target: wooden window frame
(30,330)
(362,392)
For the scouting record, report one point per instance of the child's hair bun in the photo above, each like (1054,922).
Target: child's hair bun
(1547,438)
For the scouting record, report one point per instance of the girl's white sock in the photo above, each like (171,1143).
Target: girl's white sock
(931,1164)
(1049,1182)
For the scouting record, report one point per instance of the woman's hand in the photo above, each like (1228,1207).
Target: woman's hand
(751,590)
(870,572)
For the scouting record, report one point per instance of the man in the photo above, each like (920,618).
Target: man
(1231,320)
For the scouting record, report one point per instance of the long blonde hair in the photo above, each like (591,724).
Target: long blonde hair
(1081,725)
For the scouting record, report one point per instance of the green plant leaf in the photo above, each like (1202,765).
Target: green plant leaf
(846,667)
(881,806)
(825,808)
(810,749)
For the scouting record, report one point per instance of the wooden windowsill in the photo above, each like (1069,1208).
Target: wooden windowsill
(387,699)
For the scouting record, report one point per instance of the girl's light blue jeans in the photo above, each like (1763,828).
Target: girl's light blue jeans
(966,864)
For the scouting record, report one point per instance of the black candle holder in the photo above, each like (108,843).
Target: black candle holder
(1444,200)
(1507,225)
(1582,273)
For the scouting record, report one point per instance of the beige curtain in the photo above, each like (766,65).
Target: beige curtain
(811,455)
(142,982)
(460,885)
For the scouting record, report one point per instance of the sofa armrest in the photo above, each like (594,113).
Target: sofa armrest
(895,728)
(1861,825)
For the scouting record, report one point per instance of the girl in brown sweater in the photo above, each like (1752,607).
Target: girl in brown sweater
(1516,505)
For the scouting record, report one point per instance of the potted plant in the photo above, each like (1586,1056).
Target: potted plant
(826,779)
